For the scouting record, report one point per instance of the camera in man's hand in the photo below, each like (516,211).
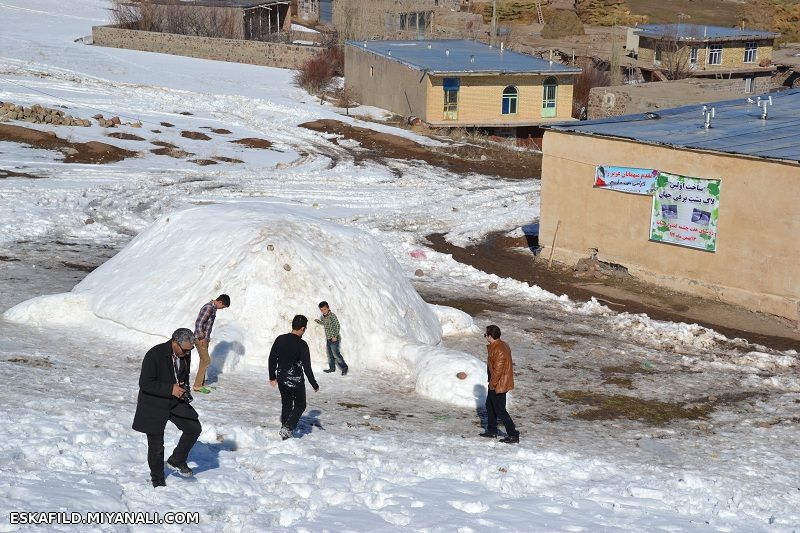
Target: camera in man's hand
(187,395)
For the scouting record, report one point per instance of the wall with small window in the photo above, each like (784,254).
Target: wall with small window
(382,82)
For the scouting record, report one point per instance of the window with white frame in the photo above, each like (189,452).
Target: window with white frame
(693,56)
(749,85)
(510,100)
(714,54)
(750,52)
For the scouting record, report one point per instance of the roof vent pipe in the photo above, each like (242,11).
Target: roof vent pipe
(708,114)
(365,44)
(501,47)
(390,52)
(447,52)
(429,46)
(471,59)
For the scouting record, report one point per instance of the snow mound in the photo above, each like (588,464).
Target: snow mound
(274,262)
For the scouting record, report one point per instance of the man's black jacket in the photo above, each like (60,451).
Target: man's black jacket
(156,402)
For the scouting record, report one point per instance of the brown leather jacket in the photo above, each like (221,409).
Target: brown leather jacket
(500,367)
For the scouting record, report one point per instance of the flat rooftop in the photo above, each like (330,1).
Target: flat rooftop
(700,32)
(463,57)
(736,128)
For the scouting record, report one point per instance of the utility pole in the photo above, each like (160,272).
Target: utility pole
(493,37)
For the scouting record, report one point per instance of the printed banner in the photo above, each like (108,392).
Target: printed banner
(685,211)
(634,180)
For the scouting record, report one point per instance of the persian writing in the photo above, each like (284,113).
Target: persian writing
(625,179)
(685,211)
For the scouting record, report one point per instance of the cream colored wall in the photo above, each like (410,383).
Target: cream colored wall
(480,98)
(757,257)
(390,85)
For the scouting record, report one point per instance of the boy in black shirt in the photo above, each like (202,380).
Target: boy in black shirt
(288,359)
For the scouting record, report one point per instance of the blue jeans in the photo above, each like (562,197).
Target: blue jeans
(335,355)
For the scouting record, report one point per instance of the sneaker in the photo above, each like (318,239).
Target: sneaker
(511,439)
(344,371)
(159,483)
(285,433)
(182,468)
(488,435)
(329,370)
(203,390)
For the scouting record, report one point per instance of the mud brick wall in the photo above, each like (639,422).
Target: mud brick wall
(237,51)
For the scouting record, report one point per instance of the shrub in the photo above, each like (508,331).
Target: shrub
(315,76)
(589,78)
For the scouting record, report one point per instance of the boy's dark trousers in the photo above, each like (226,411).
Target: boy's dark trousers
(293,403)
(496,408)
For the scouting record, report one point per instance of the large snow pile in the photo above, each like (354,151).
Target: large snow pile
(274,263)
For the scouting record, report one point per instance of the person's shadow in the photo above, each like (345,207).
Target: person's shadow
(479,393)
(206,454)
(222,352)
(308,422)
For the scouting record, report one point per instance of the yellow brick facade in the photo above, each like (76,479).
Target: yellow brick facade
(480,99)
(732,54)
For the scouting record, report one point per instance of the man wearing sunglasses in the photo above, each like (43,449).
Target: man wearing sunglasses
(500,368)
(164,395)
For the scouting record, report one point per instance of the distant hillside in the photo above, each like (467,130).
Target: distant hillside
(777,15)
(716,12)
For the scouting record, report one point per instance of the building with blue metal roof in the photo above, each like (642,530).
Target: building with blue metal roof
(701,199)
(674,51)
(459,83)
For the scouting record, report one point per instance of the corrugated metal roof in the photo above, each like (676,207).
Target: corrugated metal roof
(700,32)
(736,128)
(460,56)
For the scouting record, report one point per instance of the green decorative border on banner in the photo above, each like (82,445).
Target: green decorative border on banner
(685,211)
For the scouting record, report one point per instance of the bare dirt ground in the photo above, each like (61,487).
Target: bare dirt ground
(509,257)
(88,152)
(463,158)
(512,258)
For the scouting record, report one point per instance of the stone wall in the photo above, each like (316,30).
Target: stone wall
(640,98)
(252,52)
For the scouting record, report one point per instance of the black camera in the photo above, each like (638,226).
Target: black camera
(187,395)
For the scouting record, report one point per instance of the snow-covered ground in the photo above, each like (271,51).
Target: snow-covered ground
(374,454)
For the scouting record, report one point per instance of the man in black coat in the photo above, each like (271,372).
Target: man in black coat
(164,395)
(288,359)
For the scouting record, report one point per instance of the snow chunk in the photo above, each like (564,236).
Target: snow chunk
(274,262)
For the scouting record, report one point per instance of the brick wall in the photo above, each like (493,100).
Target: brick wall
(732,54)
(480,98)
(237,51)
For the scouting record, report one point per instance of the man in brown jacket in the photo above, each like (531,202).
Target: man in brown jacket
(501,380)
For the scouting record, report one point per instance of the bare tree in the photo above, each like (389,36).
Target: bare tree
(673,51)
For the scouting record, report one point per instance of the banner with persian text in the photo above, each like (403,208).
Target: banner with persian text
(685,211)
(625,179)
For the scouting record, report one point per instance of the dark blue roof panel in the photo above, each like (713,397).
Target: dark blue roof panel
(700,32)
(461,56)
(737,127)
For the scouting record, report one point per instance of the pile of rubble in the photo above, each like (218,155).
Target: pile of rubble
(606,13)
(39,115)
(44,115)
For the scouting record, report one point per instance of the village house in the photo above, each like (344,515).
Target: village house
(673,51)
(388,19)
(700,199)
(256,20)
(457,83)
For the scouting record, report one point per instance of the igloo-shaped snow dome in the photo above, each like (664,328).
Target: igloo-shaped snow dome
(274,263)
